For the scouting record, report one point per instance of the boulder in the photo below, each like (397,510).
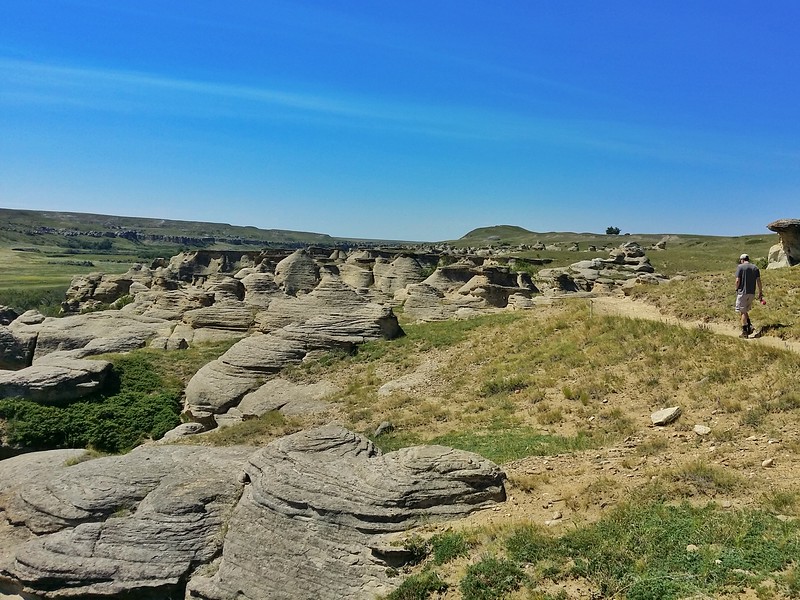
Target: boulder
(225,288)
(131,525)
(356,276)
(260,289)
(451,277)
(398,274)
(55,379)
(297,273)
(317,517)
(425,302)
(288,397)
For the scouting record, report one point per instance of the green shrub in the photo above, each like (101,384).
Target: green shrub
(136,405)
(419,587)
(448,546)
(491,578)
(47,300)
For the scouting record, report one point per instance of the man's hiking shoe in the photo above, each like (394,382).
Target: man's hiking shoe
(744,334)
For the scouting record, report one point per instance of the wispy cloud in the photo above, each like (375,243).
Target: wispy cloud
(68,87)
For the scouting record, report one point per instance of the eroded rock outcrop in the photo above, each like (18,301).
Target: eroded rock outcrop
(321,535)
(91,333)
(222,383)
(310,516)
(626,266)
(131,524)
(787,252)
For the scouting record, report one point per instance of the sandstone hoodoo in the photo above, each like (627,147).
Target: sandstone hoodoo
(786,253)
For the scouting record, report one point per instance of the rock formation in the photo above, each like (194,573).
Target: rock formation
(310,516)
(787,252)
(55,378)
(626,266)
(322,535)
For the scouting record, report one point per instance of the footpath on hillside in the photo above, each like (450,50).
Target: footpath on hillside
(623,306)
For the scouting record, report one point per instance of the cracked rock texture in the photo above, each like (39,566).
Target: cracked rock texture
(115,525)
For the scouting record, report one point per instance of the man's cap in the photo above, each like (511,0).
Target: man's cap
(744,257)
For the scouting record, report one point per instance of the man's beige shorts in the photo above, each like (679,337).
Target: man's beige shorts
(744,302)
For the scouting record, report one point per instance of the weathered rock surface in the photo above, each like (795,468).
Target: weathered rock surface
(297,273)
(390,277)
(288,397)
(320,535)
(625,267)
(93,333)
(222,383)
(665,416)
(16,351)
(55,378)
(129,524)
(169,304)
(7,315)
(222,315)
(314,521)
(787,254)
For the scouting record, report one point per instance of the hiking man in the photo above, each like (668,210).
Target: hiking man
(748,279)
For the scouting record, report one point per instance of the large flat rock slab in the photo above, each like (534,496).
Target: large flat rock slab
(93,333)
(55,379)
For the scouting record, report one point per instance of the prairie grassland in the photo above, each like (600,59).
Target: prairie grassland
(710,297)
(28,269)
(556,380)
(562,399)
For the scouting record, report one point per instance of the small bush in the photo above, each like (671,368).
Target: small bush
(448,546)
(47,300)
(491,579)
(419,587)
(135,406)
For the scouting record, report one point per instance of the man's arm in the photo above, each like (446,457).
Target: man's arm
(758,285)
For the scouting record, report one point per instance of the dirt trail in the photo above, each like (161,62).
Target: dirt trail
(626,307)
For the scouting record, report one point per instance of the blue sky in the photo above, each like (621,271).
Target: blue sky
(416,120)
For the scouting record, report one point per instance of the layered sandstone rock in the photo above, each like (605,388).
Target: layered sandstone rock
(787,252)
(322,535)
(311,516)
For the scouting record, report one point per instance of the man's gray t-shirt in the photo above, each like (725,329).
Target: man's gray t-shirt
(747,273)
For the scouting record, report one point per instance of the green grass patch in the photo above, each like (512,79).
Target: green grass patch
(657,551)
(141,400)
(258,431)
(499,446)
(46,299)
(419,587)
(490,579)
